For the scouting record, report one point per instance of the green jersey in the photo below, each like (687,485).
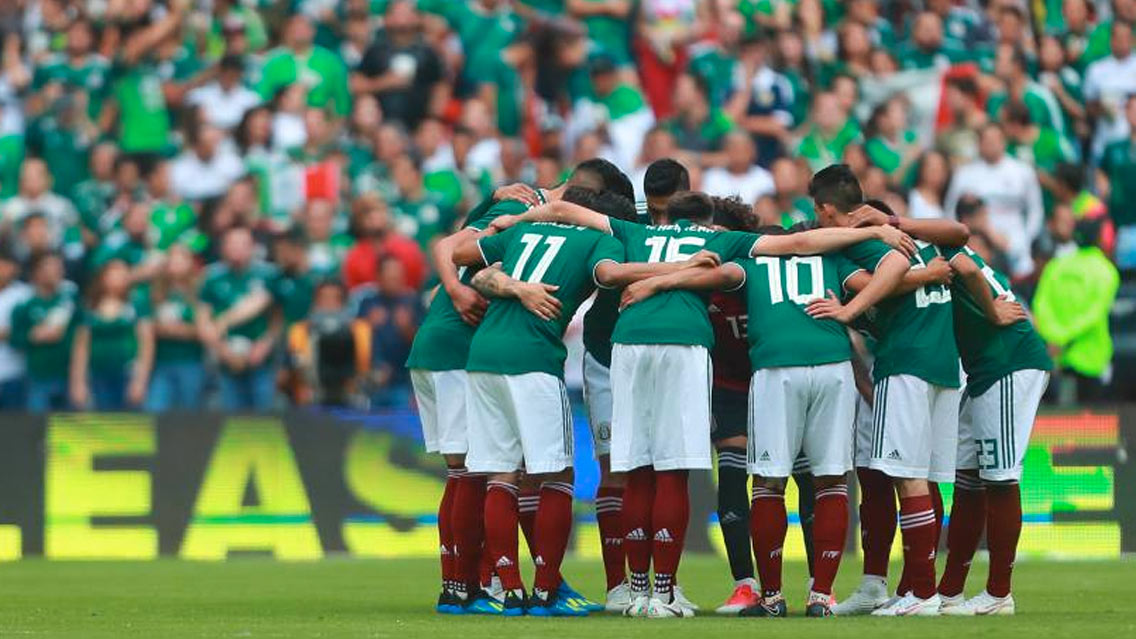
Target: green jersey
(779,330)
(889,156)
(11,158)
(611,35)
(442,341)
(294,292)
(50,360)
(176,223)
(991,352)
(513,341)
(65,149)
(717,68)
(319,69)
(114,341)
(821,151)
(144,120)
(1119,163)
(673,317)
(1044,109)
(224,287)
(915,331)
(90,75)
(118,245)
(176,308)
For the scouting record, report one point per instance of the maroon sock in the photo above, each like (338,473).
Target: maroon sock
(638,501)
(968,518)
(609,507)
(528,500)
(768,523)
(446,526)
(830,525)
(936,506)
(485,568)
(501,532)
(469,529)
(553,528)
(670,516)
(1003,528)
(917,524)
(877,520)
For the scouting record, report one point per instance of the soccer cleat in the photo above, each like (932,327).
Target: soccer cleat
(952,605)
(551,604)
(449,604)
(985,604)
(680,597)
(911,606)
(770,606)
(745,595)
(515,604)
(638,606)
(568,593)
(495,589)
(618,598)
(483,603)
(819,605)
(659,609)
(871,595)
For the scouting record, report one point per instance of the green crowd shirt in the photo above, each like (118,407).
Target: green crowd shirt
(916,330)
(673,317)
(990,352)
(223,288)
(778,289)
(1118,162)
(114,342)
(513,341)
(442,341)
(144,120)
(46,361)
(319,69)
(176,307)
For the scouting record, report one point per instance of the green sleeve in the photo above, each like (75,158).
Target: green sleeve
(272,75)
(733,245)
(867,254)
(340,94)
(845,268)
(493,246)
(623,230)
(504,207)
(476,212)
(949,252)
(21,327)
(607,248)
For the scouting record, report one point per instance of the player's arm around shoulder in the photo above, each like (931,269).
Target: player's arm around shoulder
(537,297)
(1000,311)
(558,212)
(948,233)
(827,240)
(727,277)
(886,278)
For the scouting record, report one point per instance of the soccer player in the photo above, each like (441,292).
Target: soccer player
(915,409)
(802,398)
(1007,370)
(518,407)
(661,377)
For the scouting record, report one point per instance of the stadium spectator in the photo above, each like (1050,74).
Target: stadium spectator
(1109,83)
(1117,173)
(42,328)
(208,166)
(932,177)
(401,69)
(330,350)
(225,100)
(740,175)
(13,293)
(393,314)
(178,379)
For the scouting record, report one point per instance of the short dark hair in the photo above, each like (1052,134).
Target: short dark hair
(968,205)
(1018,113)
(1072,176)
(691,205)
(836,185)
(609,203)
(733,214)
(613,179)
(880,205)
(665,177)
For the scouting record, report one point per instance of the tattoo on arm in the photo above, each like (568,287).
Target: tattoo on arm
(491,281)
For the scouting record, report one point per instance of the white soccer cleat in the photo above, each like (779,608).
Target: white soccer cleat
(680,599)
(495,589)
(745,595)
(871,595)
(618,598)
(984,604)
(659,609)
(638,605)
(911,606)
(952,605)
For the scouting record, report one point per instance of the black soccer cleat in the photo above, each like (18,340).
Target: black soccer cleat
(769,606)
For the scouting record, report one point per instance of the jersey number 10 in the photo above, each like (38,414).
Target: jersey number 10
(792,288)
(531,241)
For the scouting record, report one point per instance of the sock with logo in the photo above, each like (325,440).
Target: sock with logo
(768,524)
(936,506)
(638,502)
(917,524)
(829,530)
(501,532)
(528,501)
(1003,528)
(469,529)
(609,518)
(877,520)
(806,506)
(968,518)
(670,515)
(446,526)
(733,510)
(553,528)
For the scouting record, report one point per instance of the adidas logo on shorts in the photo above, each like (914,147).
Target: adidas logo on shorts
(637,535)
(729,518)
(894,454)
(664,536)
(764,456)
(504,562)
(539,561)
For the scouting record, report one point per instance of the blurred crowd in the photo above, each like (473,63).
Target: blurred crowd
(231,203)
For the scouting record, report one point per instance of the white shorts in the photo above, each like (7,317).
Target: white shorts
(597,395)
(518,421)
(995,427)
(915,429)
(660,407)
(801,409)
(440,396)
(862,443)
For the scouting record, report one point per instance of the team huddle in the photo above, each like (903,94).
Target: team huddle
(807,353)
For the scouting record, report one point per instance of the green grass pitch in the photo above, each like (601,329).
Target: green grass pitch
(356,598)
